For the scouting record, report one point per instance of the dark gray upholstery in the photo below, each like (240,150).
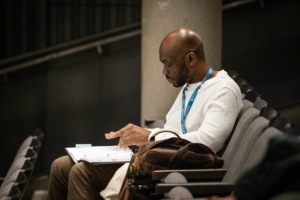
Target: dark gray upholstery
(13,185)
(244,147)
(10,191)
(31,142)
(21,163)
(238,133)
(260,146)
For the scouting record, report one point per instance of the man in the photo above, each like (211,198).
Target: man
(205,111)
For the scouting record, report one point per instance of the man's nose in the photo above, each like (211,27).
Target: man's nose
(164,71)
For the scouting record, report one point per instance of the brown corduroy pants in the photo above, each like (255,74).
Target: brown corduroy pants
(80,181)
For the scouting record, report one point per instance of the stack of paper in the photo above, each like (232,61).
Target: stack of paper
(100,154)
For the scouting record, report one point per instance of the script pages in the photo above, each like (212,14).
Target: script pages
(100,154)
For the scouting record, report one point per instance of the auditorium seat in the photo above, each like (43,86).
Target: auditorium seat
(246,158)
(17,177)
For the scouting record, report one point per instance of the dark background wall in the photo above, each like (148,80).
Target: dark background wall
(261,43)
(77,98)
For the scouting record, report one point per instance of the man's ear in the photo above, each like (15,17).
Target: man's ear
(191,58)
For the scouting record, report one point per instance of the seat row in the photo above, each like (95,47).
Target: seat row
(14,183)
(257,123)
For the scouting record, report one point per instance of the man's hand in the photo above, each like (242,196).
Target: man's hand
(130,135)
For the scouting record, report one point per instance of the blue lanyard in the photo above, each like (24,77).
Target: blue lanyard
(184,112)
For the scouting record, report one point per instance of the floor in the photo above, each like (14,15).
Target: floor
(37,189)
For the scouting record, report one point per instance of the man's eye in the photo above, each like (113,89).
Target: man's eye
(168,64)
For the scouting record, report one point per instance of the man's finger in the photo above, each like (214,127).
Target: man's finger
(111,135)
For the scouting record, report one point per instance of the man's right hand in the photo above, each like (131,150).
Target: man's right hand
(130,135)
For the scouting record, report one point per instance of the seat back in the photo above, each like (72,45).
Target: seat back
(281,123)
(31,142)
(246,105)
(233,74)
(275,172)
(28,152)
(251,95)
(23,163)
(238,133)
(10,191)
(17,178)
(260,147)
(260,103)
(38,134)
(269,113)
(240,81)
(244,146)
(19,168)
(246,88)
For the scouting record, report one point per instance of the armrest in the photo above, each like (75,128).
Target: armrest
(186,190)
(192,175)
(198,189)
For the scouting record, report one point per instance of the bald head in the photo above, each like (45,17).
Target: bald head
(182,40)
(183,58)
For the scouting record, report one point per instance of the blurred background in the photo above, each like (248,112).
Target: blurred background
(72,67)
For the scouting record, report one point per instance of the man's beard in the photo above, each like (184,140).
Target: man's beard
(182,77)
(179,83)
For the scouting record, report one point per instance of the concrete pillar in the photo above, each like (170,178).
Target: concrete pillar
(159,17)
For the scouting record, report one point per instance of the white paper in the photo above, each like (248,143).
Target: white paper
(100,154)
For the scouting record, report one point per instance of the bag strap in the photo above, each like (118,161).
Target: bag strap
(182,151)
(152,142)
(162,131)
(178,157)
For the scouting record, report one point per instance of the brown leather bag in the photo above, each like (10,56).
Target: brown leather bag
(172,153)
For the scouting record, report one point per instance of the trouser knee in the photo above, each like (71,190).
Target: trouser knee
(77,171)
(61,166)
